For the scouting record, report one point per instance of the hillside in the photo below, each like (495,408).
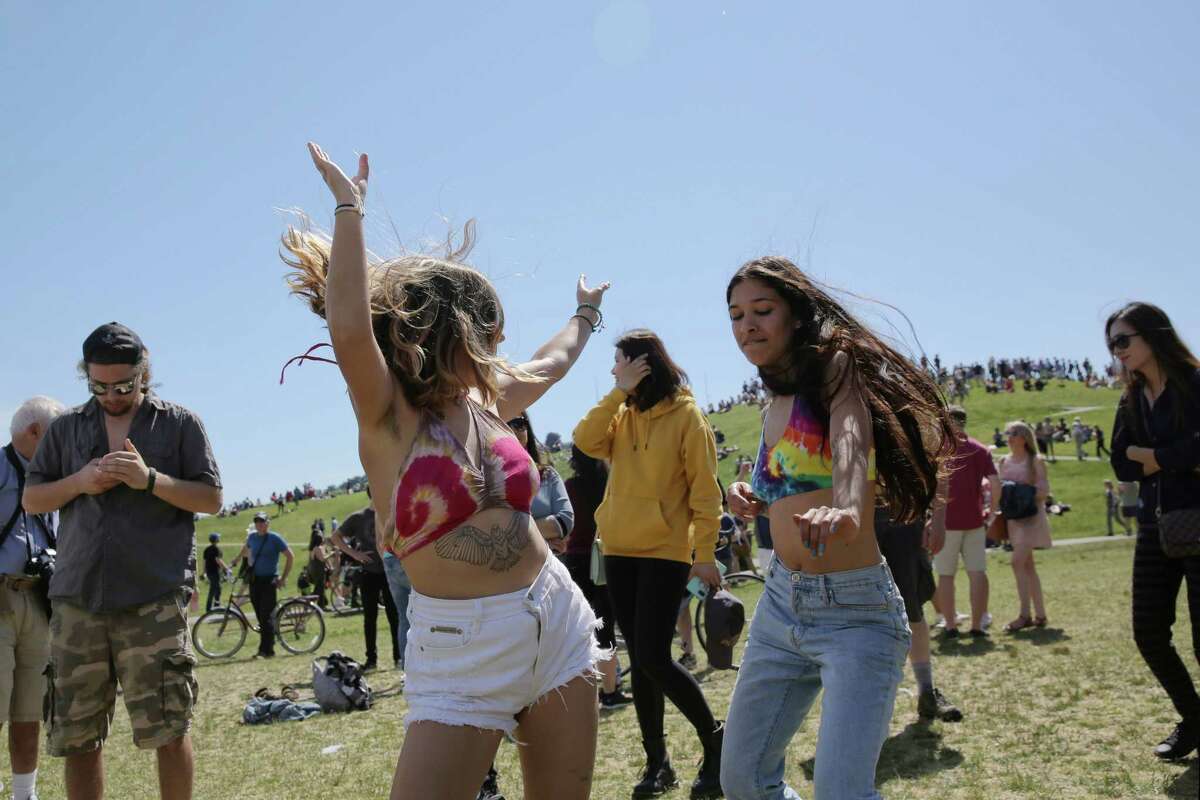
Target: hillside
(1078,484)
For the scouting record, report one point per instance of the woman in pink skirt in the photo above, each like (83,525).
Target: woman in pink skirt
(1024,465)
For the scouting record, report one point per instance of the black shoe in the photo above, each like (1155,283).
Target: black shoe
(490,790)
(978,633)
(614,699)
(688,661)
(950,633)
(1180,744)
(934,705)
(707,785)
(370,664)
(658,777)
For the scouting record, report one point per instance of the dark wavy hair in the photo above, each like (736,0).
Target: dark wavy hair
(590,477)
(1172,355)
(909,423)
(531,443)
(665,378)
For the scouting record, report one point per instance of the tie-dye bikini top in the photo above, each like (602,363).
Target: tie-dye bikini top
(801,461)
(440,489)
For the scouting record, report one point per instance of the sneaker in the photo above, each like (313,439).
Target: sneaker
(1180,744)
(986,621)
(490,790)
(976,633)
(934,705)
(950,633)
(264,655)
(688,661)
(614,699)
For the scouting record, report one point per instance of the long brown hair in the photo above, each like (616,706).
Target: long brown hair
(1172,355)
(665,378)
(425,310)
(912,432)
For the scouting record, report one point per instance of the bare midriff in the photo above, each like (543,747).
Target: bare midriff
(841,554)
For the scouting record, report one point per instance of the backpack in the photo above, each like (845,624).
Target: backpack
(339,684)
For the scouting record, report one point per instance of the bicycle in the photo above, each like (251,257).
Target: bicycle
(220,633)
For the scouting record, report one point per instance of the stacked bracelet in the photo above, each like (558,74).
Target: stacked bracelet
(348,207)
(598,324)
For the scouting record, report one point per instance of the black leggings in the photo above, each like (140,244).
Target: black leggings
(580,567)
(1156,580)
(375,589)
(645,595)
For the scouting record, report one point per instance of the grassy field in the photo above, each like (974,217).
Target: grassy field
(1068,712)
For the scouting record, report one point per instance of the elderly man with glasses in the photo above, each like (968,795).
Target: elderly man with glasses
(128,472)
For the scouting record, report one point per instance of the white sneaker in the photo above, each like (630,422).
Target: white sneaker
(986,621)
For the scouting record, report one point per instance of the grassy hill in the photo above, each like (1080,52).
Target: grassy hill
(1078,484)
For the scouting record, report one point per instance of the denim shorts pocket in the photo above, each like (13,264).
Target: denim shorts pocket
(432,634)
(859,597)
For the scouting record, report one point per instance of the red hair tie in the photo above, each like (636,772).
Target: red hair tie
(306,356)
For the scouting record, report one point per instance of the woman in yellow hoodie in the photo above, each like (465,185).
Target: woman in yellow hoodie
(662,504)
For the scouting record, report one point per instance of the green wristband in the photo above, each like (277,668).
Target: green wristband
(150,480)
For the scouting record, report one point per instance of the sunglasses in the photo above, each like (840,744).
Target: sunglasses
(518,423)
(122,388)
(1120,341)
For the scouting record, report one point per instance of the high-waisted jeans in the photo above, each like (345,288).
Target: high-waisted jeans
(844,632)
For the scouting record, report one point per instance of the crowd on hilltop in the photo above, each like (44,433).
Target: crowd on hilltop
(752,393)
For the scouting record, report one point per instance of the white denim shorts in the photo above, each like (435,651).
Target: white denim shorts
(480,662)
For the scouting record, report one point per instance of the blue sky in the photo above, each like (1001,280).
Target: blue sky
(1004,173)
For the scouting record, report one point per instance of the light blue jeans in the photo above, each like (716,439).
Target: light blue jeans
(844,632)
(401,588)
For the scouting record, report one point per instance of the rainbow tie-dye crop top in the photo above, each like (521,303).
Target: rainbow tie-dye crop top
(440,489)
(801,461)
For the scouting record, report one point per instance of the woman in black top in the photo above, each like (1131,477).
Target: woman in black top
(1156,440)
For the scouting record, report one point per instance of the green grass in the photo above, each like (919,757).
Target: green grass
(1069,712)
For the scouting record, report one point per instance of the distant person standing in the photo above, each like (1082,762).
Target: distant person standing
(262,551)
(214,571)
(1156,440)
(1101,450)
(129,472)
(1079,434)
(966,535)
(355,538)
(1112,509)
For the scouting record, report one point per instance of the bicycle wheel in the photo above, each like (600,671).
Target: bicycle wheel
(220,633)
(299,626)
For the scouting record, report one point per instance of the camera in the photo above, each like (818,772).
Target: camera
(41,565)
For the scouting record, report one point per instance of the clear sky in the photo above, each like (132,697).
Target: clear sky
(1005,173)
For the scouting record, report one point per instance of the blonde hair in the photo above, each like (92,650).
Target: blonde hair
(1022,429)
(425,310)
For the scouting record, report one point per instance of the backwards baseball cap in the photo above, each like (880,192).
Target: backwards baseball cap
(112,344)
(261,517)
(724,618)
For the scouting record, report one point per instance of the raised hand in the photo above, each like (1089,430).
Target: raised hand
(590,296)
(344,189)
(629,372)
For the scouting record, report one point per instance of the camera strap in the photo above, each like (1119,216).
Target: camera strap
(11,453)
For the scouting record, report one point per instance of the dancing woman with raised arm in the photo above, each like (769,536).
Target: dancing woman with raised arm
(497,623)
(830,617)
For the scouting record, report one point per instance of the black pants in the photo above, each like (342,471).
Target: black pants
(580,567)
(645,594)
(1156,581)
(214,590)
(374,584)
(262,597)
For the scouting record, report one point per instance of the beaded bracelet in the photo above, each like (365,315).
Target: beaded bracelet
(598,324)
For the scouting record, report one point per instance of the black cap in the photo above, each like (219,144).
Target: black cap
(261,517)
(724,618)
(112,344)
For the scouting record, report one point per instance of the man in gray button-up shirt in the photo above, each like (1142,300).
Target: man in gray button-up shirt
(128,471)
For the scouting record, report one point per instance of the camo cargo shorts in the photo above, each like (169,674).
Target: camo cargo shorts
(145,648)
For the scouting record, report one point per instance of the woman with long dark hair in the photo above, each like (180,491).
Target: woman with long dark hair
(662,504)
(849,417)
(1156,440)
(497,623)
